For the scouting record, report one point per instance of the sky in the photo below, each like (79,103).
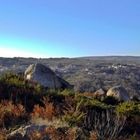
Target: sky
(69,28)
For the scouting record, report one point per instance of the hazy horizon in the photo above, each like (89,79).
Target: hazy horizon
(44,29)
(98,56)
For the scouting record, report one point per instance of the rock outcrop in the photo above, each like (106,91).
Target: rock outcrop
(119,93)
(45,77)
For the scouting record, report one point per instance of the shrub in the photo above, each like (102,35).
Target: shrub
(3,135)
(11,114)
(15,88)
(129,108)
(67,92)
(134,137)
(110,100)
(14,79)
(73,115)
(35,135)
(91,102)
(64,133)
(104,123)
(93,136)
(46,112)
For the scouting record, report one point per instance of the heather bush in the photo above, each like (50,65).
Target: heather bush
(11,114)
(45,112)
(104,123)
(67,115)
(129,108)
(73,114)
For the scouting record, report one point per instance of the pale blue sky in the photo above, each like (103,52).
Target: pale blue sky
(69,28)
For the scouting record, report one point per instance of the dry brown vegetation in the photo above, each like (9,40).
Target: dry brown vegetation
(45,112)
(68,116)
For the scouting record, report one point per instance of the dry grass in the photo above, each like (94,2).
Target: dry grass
(9,113)
(93,135)
(3,135)
(46,112)
(56,122)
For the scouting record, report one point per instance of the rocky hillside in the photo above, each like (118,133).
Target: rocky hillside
(88,73)
(29,111)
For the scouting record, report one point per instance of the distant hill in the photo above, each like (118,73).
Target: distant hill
(87,73)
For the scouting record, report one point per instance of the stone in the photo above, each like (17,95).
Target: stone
(119,93)
(45,76)
(100,94)
(23,132)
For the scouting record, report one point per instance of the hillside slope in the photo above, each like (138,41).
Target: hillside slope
(87,73)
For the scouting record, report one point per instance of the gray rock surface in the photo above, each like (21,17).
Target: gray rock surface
(24,131)
(45,77)
(119,93)
(100,94)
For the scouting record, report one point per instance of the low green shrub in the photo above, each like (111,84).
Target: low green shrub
(110,100)
(129,108)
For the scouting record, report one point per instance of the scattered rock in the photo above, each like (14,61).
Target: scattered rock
(100,93)
(45,77)
(119,93)
(24,132)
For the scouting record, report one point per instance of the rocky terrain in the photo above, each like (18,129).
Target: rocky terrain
(87,74)
(37,104)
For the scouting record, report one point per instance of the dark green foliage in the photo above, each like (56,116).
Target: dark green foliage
(74,115)
(129,108)
(86,101)
(68,92)
(110,100)
(14,87)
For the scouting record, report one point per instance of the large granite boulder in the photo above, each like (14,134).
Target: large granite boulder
(45,77)
(119,93)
